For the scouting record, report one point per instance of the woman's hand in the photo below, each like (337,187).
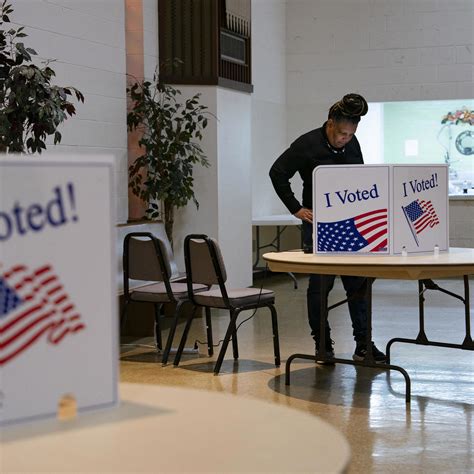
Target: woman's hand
(305,215)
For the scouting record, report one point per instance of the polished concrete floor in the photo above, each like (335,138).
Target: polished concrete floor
(432,434)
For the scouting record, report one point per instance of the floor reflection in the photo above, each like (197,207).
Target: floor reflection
(432,434)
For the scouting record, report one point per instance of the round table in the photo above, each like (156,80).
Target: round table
(168,429)
(421,267)
(456,262)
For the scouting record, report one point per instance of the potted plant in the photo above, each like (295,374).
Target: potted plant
(31,108)
(170,134)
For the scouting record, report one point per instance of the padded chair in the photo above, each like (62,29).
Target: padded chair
(205,266)
(145,258)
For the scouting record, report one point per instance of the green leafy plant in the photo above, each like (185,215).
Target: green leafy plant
(31,108)
(170,134)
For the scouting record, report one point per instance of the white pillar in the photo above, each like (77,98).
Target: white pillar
(223,190)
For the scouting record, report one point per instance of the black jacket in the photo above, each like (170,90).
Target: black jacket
(305,153)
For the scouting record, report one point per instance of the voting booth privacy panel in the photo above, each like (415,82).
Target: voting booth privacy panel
(58,325)
(380,209)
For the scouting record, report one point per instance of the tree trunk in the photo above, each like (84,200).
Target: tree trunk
(169,220)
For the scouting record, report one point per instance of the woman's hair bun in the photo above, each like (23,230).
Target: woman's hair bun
(351,108)
(353,105)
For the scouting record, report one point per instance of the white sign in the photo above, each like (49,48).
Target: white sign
(420,208)
(379,209)
(351,209)
(58,323)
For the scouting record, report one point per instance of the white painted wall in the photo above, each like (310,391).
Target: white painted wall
(234,184)
(268,100)
(87,40)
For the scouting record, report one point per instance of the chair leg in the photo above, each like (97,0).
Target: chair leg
(123,316)
(230,331)
(235,344)
(177,357)
(210,346)
(159,343)
(276,339)
(174,324)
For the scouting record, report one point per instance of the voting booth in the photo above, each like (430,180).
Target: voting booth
(380,209)
(58,324)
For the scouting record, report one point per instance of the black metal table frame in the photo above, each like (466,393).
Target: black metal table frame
(369,361)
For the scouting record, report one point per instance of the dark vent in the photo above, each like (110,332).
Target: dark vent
(232,47)
(211,38)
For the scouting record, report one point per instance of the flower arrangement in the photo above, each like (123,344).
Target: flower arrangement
(460,116)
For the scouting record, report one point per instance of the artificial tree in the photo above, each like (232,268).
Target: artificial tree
(31,107)
(170,134)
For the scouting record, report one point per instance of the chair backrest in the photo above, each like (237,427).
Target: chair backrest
(145,258)
(203,259)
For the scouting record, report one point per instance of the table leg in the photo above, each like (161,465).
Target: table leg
(386,367)
(421,308)
(369,359)
(323,317)
(467,343)
(421,338)
(369,356)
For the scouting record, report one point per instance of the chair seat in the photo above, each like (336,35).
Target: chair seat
(156,292)
(238,297)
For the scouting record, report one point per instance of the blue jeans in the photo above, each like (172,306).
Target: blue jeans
(356,291)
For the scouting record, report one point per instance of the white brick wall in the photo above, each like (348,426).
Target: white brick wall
(387,50)
(87,40)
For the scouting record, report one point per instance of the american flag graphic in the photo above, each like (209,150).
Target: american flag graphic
(34,306)
(421,214)
(363,233)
